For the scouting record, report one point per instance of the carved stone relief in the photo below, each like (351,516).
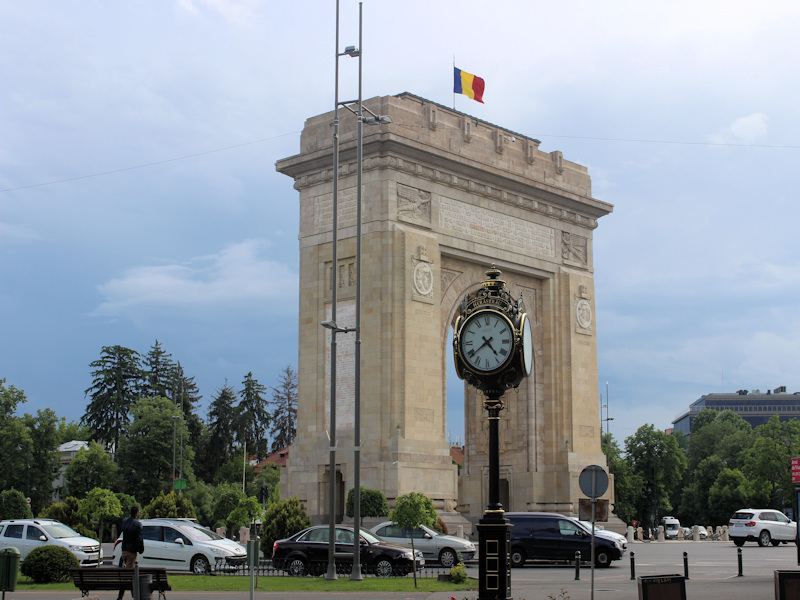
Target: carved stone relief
(573,248)
(583,316)
(413,204)
(422,277)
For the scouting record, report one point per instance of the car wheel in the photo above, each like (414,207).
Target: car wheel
(384,568)
(448,557)
(296,567)
(517,558)
(764,538)
(738,542)
(602,559)
(200,565)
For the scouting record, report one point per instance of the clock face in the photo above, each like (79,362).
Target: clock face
(487,341)
(527,345)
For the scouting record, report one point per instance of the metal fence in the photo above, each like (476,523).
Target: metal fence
(265,568)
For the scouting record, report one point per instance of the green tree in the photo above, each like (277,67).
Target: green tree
(655,457)
(14,506)
(767,461)
(245,513)
(628,489)
(222,430)
(159,373)
(253,418)
(186,399)
(282,520)
(268,475)
(10,399)
(69,431)
(234,468)
(100,505)
(68,512)
(145,454)
(169,506)
(116,383)
(373,503)
(15,439)
(412,510)
(693,507)
(226,499)
(284,414)
(201,497)
(728,494)
(43,459)
(90,468)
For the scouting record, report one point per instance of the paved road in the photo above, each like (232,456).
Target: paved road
(713,575)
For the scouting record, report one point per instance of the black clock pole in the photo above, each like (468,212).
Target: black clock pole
(494,530)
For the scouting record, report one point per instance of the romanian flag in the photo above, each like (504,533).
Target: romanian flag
(468,84)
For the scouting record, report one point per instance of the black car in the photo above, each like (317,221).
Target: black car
(306,553)
(551,536)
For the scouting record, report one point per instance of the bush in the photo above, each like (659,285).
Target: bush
(373,503)
(458,573)
(47,564)
(282,520)
(13,505)
(169,506)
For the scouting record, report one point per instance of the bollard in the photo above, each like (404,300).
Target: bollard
(739,552)
(686,565)
(633,568)
(577,565)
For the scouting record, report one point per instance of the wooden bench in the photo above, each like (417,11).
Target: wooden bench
(118,578)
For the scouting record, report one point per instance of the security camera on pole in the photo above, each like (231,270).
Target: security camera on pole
(493,352)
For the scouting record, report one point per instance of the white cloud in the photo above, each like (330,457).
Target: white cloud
(238,276)
(751,129)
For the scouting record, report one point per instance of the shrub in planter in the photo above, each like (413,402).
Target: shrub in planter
(47,564)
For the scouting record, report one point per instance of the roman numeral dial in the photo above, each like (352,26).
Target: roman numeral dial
(487,341)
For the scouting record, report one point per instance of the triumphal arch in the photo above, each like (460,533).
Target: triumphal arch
(445,196)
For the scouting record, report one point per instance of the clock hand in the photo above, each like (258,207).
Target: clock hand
(487,343)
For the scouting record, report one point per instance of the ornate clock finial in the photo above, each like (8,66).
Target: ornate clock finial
(493,283)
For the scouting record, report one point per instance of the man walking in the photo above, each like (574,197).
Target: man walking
(132,541)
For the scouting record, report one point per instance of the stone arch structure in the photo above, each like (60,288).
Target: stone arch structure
(444,196)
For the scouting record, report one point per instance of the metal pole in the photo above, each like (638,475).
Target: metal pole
(331,574)
(355,574)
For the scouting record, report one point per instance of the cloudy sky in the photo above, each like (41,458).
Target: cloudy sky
(139,198)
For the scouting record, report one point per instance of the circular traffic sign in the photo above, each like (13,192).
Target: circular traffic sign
(593,481)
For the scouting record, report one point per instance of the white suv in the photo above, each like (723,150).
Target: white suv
(27,534)
(180,544)
(763,525)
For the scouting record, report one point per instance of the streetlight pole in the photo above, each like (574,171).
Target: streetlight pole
(331,574)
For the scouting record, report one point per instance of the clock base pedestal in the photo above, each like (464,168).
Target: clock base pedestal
(494,533)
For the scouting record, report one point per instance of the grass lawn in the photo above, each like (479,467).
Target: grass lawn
(191,583)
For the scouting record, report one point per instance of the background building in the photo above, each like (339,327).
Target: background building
(754,407)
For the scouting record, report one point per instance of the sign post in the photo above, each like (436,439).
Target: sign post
(593,482)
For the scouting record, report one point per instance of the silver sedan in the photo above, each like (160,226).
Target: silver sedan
(446,549)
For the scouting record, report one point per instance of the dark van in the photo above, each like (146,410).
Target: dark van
(550,536)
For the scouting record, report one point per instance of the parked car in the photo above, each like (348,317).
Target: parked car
(606,533)
(551,536)
(435,546)
(306,552)
(183,545)
(763,525)
(27,534)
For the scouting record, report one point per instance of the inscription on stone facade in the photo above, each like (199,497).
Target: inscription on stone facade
(490,226)
(345,367)
(587,431)
(346,204)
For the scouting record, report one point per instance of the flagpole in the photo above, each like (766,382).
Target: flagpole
(454,89)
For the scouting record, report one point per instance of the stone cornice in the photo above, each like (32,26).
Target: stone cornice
(552,201)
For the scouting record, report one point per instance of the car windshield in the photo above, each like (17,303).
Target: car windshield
(199,534)
(60,531)
(371,537)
